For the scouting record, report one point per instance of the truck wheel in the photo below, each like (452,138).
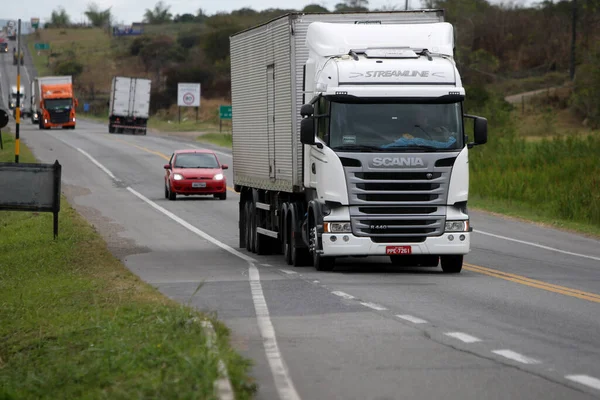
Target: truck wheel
(111,129)
(319,262)
(248,227)
(261,242)
(452,264)
(299,256)
(284,228)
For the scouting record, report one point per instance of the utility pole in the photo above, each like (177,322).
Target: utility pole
(573,40)
(17,108)
(406,5)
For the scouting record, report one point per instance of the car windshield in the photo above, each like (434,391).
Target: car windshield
(395,127)
(196,160)
(58,104)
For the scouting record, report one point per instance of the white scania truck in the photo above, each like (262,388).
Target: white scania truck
(349,139)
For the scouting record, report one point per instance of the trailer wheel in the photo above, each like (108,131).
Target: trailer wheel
(452,264)
(261,243)
(249,227)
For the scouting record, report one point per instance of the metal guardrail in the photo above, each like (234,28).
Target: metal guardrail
(31,187)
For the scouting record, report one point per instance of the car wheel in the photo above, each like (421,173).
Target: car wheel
(172,195)
(166,192)
(221,196)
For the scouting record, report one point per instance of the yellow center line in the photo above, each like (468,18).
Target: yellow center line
(580,294)
(158,153)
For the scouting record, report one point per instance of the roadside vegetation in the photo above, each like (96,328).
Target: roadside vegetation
(77,324)
(539,161)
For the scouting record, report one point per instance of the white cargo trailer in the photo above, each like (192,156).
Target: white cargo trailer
(321,109)
(129,105)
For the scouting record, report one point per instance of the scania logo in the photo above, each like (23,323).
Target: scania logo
(397,162)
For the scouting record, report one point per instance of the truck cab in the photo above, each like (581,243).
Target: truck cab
(12,98)
(386,150)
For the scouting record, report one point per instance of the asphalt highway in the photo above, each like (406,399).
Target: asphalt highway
(522,320)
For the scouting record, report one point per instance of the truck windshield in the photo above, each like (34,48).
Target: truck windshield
(395,126)
(58,104)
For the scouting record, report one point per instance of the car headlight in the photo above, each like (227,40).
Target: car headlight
(457,226)
(218,177)
(177,177)
(337,227)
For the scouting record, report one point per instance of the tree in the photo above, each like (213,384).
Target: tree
(315,8)
(187,17)
(59,18)
(353,5)
(97,17)
(159,15)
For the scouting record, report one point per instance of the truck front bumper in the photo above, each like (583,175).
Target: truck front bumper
(346,244)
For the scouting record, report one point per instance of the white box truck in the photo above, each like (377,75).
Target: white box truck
(129,105)
(349,139)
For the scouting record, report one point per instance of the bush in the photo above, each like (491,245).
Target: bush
(585,100)
(69,67)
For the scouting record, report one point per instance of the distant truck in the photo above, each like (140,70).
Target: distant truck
(33,107)
(3,46)
(129,105)
(55,102)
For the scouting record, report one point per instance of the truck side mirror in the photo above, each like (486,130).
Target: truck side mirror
(479,130)
(307,130)
(307,110)
(76,103)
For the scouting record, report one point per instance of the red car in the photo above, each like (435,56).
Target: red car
(195,172)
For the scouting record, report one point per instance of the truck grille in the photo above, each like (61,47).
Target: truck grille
(59,117)
(398,206)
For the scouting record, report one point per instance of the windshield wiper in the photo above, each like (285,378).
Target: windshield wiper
(357,147)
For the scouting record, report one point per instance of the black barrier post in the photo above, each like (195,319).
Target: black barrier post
(56,208)
(18,106)
(3,123)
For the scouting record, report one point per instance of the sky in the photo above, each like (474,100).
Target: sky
(128,11)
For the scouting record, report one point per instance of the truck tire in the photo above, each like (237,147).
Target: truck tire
(248,226)
(284,230)
(319,262)
(261,242)
(111,129)
(452,264)
(299,256)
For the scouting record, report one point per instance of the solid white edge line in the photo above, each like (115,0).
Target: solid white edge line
(102,167)
(463,337)
(374,306)
(585,380)
(570,253)
(412,319)
(222,384)
(343,295)
(283,382)
(512,355)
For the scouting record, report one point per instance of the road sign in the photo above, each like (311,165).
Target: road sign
(42,46)
(225,112)
(188,94)
(35,23)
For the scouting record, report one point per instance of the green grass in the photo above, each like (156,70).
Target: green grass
(219,139)
(186,125)
(554,180)
(513,86)
(77,324)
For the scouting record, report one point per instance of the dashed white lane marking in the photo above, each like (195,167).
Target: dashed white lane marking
(343,295)
(374,306)
(222,384)
(570,253)
(592,382)
(463,337)
(315,281)
(283,381)
(266,265)
(512,355)
(412,319)
(285,271)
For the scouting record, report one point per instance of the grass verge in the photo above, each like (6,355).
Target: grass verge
(76,323)
(219,139)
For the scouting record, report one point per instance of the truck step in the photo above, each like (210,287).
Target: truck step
(263,206)
(267,232)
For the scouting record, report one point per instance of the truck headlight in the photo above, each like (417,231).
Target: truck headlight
(457,226)
(218,177)
(177,177)
(337,227)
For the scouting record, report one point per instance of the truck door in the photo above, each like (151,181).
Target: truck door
(271,118)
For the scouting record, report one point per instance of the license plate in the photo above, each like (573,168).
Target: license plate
(198,184)
(398,250)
